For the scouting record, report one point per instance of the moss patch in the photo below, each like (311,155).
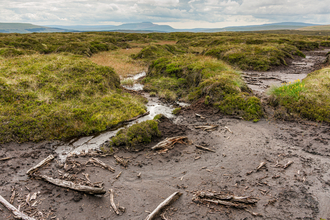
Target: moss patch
(308,99)
(58,96)
(141,133)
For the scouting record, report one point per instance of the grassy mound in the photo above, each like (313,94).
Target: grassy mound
(307,99)
(153,52)
(254,56)
(140,133)
(58,96)
(191,77)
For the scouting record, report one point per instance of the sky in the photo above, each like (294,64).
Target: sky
(177,13)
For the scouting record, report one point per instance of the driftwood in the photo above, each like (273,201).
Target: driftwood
(118,175)
(112,202)
(121,161)
(16,212)
(137,117)
(261,165)
(12,196)
(169,142)
(232,198)
(6,158)
(228,129)
(71,185)
(288,164)
(207,127)
(172,198)
(43,162)
(198,115)
(225,203)
(96,161)
(204,148)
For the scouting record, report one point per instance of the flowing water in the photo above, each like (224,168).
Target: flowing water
(84,144)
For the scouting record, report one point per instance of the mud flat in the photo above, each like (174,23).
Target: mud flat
(292,183)
(296,69)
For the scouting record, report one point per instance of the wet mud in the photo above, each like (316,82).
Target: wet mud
(299,191)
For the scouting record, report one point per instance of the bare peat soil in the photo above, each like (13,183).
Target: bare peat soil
(300,191)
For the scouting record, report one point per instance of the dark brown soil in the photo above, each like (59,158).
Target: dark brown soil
(301,191)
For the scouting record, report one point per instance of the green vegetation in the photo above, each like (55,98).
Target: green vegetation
(141,133)
(307,99)
(176,111)
(60,96)
(191,77)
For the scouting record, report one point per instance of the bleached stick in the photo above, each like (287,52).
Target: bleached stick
(172,198)
(18,214)
(43,162)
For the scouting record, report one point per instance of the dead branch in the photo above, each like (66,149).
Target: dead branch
(6,158)
(254,213)
(169,142)
(204,148)
(172,198)
(96,161)
(112,202)
(118,175)
(121,161)
(71,185)
(261,165)
(198,115)
(225,203)
(228,129)
(16,212)
(233,198)
(12,196)
(207,127)
(288,164)
(42,163)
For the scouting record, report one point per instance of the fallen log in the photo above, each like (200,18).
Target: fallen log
(137,117)
(96,161)
(169,142)
(112,202)
(42,163)
(71,185)
(204,148)
(16,212)
(172,198)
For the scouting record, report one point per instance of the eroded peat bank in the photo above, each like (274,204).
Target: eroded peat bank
(236,123)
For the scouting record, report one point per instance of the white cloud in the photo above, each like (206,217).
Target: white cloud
(196,13)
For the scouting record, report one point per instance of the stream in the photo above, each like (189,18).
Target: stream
(259,82)
(84,144)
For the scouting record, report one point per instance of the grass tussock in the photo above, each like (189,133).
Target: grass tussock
(190,77)
(140,133)
(60,96)
(307,99)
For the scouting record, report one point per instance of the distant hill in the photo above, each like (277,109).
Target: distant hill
(145,27)
(263,27)
(316,28)
(24,28)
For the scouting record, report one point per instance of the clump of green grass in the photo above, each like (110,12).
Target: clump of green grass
(127,82)
(153,52)
(140,133)
(191,77)
(58,96)
(254,57)
(176,111)
(308,99)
